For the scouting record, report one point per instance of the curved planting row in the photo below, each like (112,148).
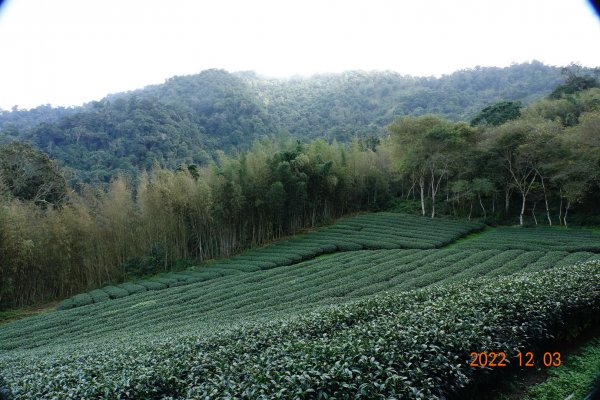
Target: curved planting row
(335,279)
(409,345)
(536,238)
(369,231)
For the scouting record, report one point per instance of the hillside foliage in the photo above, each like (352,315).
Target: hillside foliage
(186,119)
(101,235)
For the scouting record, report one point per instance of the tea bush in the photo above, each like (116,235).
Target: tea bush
(411,345)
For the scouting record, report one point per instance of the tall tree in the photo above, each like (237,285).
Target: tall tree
(498,113)
(576,81)
(30,175)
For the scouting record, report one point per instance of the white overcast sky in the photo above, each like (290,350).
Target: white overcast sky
(67,52)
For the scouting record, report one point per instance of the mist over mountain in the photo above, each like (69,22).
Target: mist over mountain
(188,118)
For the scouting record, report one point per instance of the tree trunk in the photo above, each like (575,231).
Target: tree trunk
(560,208)
(435,187)
(433,192)
(524,193)
(522,209)
(422,187)
(412,188)
(546,201)
(533,212)
(567,211)
(471,210)
(402,187)
(481,204)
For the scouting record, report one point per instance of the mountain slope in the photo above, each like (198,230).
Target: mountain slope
(188,118)
(357,103)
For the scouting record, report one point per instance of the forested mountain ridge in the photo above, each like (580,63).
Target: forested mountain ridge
(339,106)
(178,122)
(186,119)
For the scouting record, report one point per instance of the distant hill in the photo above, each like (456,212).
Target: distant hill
(356,103)
(188,118)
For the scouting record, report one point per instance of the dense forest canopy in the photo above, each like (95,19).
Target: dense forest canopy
(186,119)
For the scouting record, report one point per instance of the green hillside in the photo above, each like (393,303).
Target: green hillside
(394,309)
(188,118)
(339,106)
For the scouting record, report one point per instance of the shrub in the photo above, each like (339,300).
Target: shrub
(410,345)
(82,299)
(132,288)
(152,285)
(65,304)
(115,292)
(99,295)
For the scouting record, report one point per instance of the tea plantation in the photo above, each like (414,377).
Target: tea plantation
(376,306)
(539,238)
(370,231)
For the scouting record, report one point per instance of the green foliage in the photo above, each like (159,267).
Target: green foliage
(115,292)
(100,295)
(29,174)
(65,304)
(539,159)
(146,264)
(567,109)
(258,300)
(404,344)
(82,300)
(538,238)
(124,231)
(371,231)
(573,85)
(539,166)
(152,285)
(178,122)
(188,118)
(576,377)
(576,81)
(498,113)
(131,288)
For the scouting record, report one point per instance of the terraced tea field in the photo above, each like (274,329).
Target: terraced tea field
(370,231)
(539,238)
(342,310)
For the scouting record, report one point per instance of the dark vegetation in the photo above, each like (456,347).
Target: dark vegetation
(538,166)
(30,175)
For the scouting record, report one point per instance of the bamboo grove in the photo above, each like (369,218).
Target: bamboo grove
(540,165)
(101,236)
